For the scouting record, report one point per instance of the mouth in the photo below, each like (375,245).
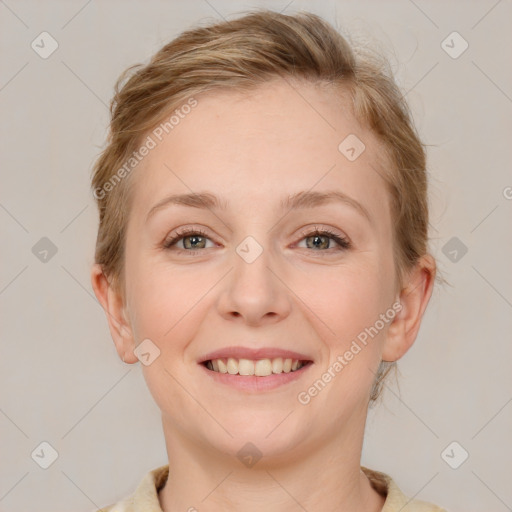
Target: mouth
(254,370)
(255,367)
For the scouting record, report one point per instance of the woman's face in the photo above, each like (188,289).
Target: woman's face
(261,172)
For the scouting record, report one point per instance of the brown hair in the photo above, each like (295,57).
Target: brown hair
(241,54)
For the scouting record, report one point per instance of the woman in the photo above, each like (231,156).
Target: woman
(262,250)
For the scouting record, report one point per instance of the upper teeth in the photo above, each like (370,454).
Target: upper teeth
(260,367)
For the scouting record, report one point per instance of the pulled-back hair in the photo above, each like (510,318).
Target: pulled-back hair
(241,54)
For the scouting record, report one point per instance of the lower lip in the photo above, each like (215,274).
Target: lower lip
(253,383)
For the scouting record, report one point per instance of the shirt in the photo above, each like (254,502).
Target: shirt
(145,497)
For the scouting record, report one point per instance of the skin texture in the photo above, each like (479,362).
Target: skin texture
(252,150)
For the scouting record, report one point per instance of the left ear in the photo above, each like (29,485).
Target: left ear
(414,299)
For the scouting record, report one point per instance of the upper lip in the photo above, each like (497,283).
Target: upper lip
(239,352)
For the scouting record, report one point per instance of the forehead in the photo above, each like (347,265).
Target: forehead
(273,140)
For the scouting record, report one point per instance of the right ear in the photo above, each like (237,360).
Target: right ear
(112,303)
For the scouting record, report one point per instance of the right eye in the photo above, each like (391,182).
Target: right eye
(192,239)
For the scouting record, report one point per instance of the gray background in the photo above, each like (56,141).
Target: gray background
(61,379)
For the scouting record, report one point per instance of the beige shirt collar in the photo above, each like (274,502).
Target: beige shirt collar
(145,497)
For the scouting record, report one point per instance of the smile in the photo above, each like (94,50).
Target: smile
(258,368)
(255,375)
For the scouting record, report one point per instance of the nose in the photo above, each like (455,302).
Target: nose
(254,292)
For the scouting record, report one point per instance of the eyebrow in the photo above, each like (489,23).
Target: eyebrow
(304,199)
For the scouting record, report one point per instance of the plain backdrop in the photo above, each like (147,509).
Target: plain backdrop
(61,381)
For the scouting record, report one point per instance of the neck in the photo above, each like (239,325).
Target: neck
(323,477)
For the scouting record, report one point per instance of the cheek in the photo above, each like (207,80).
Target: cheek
(346,299)
(164,300)
(166,305)
(348,304)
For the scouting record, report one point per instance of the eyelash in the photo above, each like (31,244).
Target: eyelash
(343,243)
(168,243)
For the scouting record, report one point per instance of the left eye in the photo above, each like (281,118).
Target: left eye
(319,239)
